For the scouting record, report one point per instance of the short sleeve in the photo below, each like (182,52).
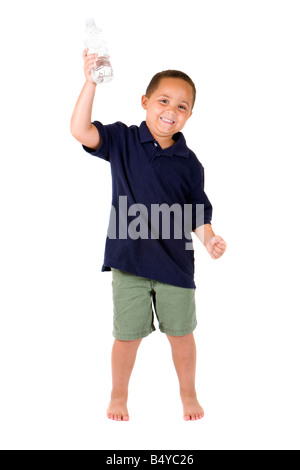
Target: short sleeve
(201,206)
(109,135)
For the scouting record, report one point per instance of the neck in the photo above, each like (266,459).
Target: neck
(164,141)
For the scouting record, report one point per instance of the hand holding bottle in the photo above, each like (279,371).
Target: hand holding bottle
(89,63)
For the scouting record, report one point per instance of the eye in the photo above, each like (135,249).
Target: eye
(182,107)
(164,101)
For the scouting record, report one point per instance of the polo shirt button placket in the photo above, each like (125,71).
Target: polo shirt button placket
(158,152)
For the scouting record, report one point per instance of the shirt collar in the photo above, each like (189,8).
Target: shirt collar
(179,148)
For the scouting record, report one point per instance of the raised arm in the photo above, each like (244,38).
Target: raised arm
(81,127)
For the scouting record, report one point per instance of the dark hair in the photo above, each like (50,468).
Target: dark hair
(170,74)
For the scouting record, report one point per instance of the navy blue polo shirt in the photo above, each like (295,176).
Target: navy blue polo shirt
(149,182)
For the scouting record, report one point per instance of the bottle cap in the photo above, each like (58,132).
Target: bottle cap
(90,22)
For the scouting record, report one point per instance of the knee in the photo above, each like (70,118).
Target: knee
(181,339)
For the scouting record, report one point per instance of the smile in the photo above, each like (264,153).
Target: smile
(168,121)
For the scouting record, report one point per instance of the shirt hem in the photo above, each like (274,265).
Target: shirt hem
(108,264)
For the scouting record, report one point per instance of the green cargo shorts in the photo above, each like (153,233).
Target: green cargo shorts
(136,299)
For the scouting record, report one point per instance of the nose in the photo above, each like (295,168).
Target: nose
(171,109)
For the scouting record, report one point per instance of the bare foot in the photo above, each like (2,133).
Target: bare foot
(192,410)
(117,410)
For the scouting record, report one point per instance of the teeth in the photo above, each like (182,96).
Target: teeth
(167,120)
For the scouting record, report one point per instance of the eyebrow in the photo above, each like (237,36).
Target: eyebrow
(166,96)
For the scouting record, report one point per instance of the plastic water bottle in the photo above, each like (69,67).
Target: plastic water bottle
(95,42)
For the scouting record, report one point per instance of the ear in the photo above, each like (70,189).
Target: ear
(144,101)
(190,114)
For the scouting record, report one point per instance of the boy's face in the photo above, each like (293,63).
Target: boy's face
(168,108)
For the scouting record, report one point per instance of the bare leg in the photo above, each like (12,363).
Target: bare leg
(184,357)
(122,362)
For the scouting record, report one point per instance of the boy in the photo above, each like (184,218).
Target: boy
(152,169)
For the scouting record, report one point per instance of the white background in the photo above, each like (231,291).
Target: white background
(56,306)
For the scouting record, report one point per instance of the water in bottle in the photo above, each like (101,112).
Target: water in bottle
(95,42)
